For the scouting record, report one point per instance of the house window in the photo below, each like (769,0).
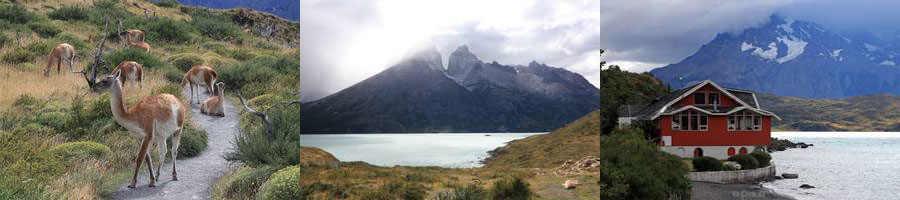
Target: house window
(744,121)
(700,98)
(714,98)
(743,150)
(690,121)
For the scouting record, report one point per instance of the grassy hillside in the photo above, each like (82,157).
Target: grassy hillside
(862,113)
(57,140)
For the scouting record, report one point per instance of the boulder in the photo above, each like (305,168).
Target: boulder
(807,186)
(570,184)
(789,176)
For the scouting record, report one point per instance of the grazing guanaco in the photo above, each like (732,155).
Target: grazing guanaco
(213,105)
(130,71)
(140,45)
(153,119)
(199,75)
(135,38)
(133,35)
(62,53)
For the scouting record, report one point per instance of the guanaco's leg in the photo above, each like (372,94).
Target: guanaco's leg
(142,153)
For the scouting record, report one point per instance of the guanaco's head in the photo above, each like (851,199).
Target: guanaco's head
(108,81)
(220,87)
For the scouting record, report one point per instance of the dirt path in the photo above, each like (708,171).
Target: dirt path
(195,175)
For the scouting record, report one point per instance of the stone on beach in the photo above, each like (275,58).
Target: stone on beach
(570,184)
(789,176)
(807,186)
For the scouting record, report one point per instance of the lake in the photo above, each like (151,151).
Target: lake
(453,150)
(841,165)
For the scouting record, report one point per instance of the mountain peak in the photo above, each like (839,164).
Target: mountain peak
(429,55)
(461,62)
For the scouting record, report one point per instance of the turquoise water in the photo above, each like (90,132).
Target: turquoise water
(455,150)
(841,165)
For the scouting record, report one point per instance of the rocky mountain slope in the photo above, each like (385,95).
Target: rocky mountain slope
(861,113)
(793,58)
(419,95)
(285,9)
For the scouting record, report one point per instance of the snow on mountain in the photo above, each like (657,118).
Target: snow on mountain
(793,58)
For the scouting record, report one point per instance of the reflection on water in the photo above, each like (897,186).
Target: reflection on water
(457,150)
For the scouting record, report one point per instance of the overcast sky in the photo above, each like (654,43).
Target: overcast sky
(642,35)
(344,42)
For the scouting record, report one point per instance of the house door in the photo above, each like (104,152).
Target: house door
(698,152)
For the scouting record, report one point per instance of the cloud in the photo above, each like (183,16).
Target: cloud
(344,42)
(640,35)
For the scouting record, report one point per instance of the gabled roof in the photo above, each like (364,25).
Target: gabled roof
(630,110)
(661,105)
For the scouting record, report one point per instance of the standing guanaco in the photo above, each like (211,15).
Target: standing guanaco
(153,119)
(214,106)
(199,75)
(130,71)
(62,53)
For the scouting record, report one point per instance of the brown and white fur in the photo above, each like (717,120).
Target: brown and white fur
(133,35)
(199,75)
(213,105)
(62,53)
(140,45)
(153,119)
(130,71)
(135,38)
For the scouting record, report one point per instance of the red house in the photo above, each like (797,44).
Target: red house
(705,119)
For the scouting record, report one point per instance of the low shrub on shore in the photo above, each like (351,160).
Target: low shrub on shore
(730,166)
(80,150)
(283,185)
(746,161)
(763,158)
(706,163)
(470,192)
(513,188)
(69,13)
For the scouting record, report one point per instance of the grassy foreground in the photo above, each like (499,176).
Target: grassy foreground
(57,140)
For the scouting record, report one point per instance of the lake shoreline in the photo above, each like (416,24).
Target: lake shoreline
(704,190)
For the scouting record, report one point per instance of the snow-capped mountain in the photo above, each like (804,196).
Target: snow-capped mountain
(793,58)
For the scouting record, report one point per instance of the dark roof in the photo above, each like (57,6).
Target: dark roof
(659,102)
(630,110)
(745,96)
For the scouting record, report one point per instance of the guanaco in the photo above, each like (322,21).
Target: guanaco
(199,75)
(135,38)
(130,71)
(214,106)
(153,119)
(62,53)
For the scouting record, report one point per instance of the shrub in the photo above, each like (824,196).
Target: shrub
(172,75)
(173,89)
(69,13)
(44,29)
(80,150)
(511,189)
(165,29)
(284,184)
(16,14)
(730,166)
(746,161)
(256,147)
(247,182)
(70,38)
(471,192)
(261,71)
(167,3)
(18,56)
(763,158)
(707,163)
(4,40)
(89,117)
(216,27)
(185,61)
(140,56)
(193,142)
(397,190)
